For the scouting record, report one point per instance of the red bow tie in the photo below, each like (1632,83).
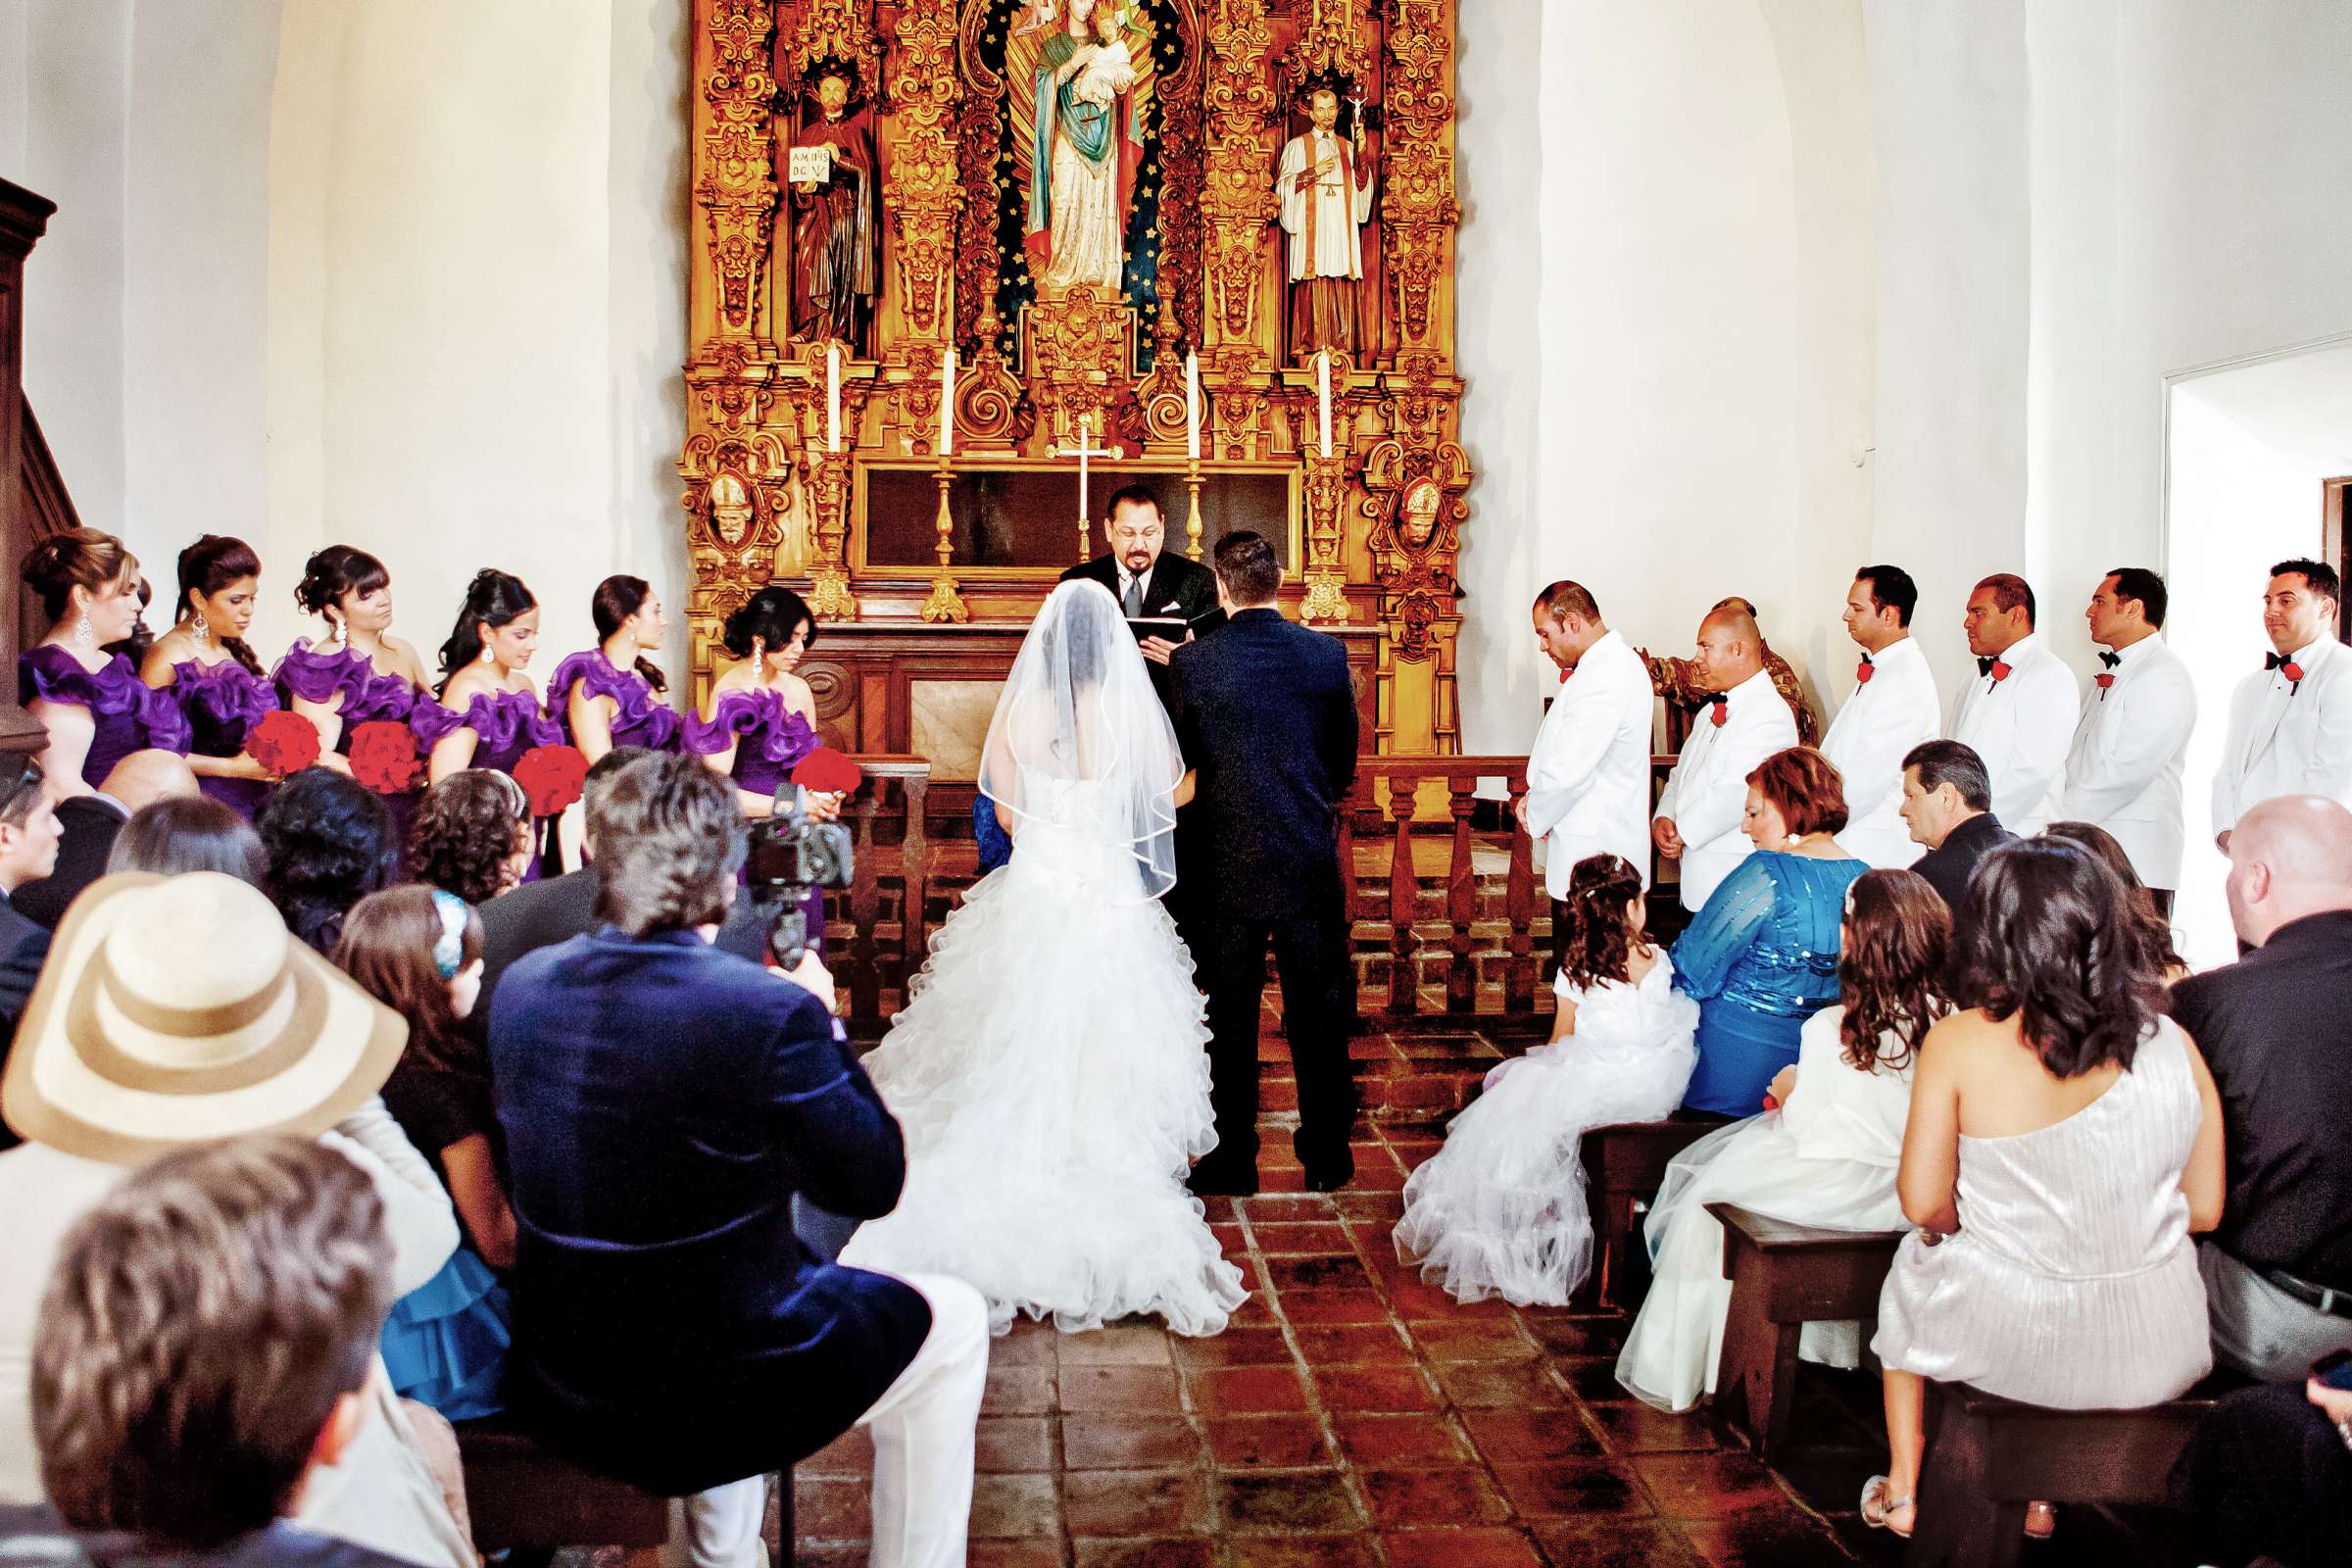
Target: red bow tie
(1723,707)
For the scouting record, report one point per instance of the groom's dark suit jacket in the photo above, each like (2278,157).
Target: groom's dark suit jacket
(1266,711)
(1174,586)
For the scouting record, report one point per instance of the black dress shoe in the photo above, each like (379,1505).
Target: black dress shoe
(1332,1177)
(1213,1181)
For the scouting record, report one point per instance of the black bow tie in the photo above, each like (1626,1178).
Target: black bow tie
(2111,660)
(2274,660)
(1867,660)
(1985,665)
(1719,699)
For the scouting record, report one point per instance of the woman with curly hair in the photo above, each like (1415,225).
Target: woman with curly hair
(1501,1210)
(330,843)
(2078,1129)
(472,835)
(1824,1155)
(2152,925)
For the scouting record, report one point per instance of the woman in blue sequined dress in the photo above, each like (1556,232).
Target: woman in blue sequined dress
(204,662)
(1761,957)
(613,695)
(91,702)
(489,713)
(357,674)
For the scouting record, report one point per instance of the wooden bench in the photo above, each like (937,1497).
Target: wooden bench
(1783,1277)
(1987,1457)
(524,1498)
(1624,1164)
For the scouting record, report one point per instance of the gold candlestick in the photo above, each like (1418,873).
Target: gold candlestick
(829,495)
(1326,489)
(944,602)
(1192,519)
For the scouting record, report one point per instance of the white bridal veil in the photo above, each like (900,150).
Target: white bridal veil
(1080,740)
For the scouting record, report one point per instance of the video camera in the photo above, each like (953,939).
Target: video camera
(791,855)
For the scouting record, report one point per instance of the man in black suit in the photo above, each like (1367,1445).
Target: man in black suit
(1947,804)
(1265,712)
(28,835)
(1148,583)
(90,824)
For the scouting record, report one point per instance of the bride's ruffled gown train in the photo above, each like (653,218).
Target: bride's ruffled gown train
(1050,1071)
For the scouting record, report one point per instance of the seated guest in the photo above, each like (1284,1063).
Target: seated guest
(28,834)
(1761,956)
(2077,1129)
(330,841)
(88,696)
(472,835)
(173,1062)
(2275,1028)
(1500,1211)
(193,834)
(2109,849)
(1825,1156)
(1947,804)
(2268,1476)
(205,1342)
(88,824)
(669,1327)
(418,950)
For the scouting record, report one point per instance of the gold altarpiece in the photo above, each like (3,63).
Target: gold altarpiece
(1075,196)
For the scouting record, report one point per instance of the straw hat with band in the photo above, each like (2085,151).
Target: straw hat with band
(173,1011)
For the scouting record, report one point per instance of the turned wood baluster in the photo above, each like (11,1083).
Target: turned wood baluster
(865,979)
(1405,998)
(1519,907)
(914,893)
(1461,900)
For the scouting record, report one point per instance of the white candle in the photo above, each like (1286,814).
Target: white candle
(1323,394)
(1192,406)
(946,400)
(832,397)
(1084,421)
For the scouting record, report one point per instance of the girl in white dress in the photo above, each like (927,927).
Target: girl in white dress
(1050,1066)
(2064,1141)
(1500,1211)
(1825,1156)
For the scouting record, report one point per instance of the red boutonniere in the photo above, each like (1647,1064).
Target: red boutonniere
(1564,674)
(2000,671)
(283,742)
(2105,680)
(384,757)
(828,772)
(1722,711)
(2292,671)
(1863,671)
(552,776)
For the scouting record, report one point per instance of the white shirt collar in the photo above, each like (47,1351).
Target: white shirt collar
(2312,652)
(1903,646)
(2026,646)
(1763,678)
(2125,657)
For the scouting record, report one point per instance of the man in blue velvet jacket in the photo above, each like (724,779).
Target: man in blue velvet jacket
(663,1103)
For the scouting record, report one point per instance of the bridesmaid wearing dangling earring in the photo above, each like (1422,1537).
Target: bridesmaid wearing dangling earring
(356,673)
(204,663)
(489,713)
(613,695)
(90,699)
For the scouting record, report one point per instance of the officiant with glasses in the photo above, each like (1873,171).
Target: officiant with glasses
(1169,600)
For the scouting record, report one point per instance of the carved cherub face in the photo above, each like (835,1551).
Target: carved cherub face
(832,95)
(730,509)
(1323,109)
(1420,515)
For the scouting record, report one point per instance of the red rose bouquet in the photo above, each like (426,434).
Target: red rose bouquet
(283,742)
(384,757)
(552,776)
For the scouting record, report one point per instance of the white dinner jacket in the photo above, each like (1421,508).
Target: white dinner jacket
(1706,795)
(2123,773)
(1587,775)
(2287,739)
(2021,728)
(1882,719)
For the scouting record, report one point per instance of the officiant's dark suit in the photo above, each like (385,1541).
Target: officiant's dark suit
(1266,714)
(1170,586)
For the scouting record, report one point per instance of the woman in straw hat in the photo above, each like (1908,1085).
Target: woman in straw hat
(176,1011)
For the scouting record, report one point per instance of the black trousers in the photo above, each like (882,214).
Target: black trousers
(1310,951)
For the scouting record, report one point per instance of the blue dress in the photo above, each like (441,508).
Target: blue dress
(1761,959)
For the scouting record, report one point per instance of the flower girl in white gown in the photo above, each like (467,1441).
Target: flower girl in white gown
(1050,1067)
(1500,1211)
(1826,1156)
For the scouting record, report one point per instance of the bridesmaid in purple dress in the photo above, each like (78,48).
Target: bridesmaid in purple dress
(763,717)
(359,672)
(613,695)
(489,713)
(204,663)
(92,703)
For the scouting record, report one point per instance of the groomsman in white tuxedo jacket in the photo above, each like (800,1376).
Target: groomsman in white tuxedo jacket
(1587,775)
(2124,771)
(2018,711)
(1743,721)
(1892,708)
(2290,723)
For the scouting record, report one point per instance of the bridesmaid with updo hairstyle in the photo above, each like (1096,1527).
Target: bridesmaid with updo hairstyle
(762,718)
(356,673)
(489,713)
(613,695)
(91,702)
(204,663)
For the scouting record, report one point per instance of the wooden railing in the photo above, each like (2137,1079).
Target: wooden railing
(866,962)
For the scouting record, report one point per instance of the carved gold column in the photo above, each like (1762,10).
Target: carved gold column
(826,493)
(1238,211)
(1326,492)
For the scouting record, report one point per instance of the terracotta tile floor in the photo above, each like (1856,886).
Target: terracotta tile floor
(1352,1414)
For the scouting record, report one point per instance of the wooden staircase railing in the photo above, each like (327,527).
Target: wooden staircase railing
(33,494)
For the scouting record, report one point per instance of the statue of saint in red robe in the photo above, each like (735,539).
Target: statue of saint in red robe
(836,223)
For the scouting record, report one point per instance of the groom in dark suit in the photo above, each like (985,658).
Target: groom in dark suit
(1149,583)
(1265,712)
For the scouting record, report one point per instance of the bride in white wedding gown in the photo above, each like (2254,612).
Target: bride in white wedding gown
(1050,1067)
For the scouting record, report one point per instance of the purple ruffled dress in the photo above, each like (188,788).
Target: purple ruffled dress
(319,674)
(220,702)
(771,741)
(130,716)
(642,720)
(505,726)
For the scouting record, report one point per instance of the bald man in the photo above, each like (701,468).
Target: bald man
(1741,721)
(1673,677)
(2278,1036)
(91,822)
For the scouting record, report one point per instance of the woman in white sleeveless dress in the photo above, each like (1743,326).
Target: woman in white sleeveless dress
(1826,1157)
(2064,1141)
(1050,1067)
(1500,1211)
